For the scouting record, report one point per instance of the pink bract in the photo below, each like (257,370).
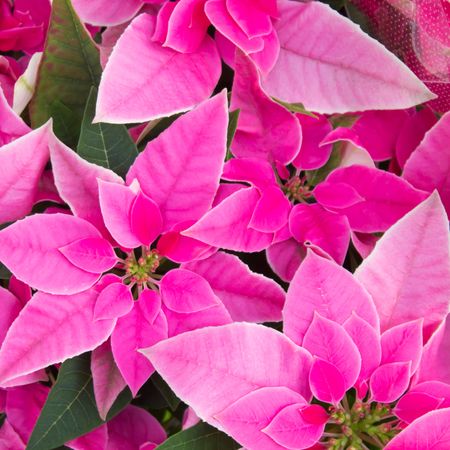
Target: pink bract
(266,265)
(342,350)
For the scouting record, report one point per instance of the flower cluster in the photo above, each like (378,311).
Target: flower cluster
(222,211)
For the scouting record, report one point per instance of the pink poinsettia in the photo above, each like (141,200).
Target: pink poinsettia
(170,81)
(176,42)
(346,210)
(23,24)
(265,129)
(381,135)
(98,271)
(278,215)
(342,331)
(75,254)
(363,195)
(350,205)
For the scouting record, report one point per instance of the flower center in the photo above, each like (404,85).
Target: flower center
(297,189)
(140,271)
(363,426)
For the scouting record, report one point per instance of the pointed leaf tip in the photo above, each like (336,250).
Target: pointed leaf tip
(94,255)
(197,365)
(187,190)
(174,82)
(408,272)
(376,79)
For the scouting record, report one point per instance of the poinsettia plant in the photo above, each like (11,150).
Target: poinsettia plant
(224,225)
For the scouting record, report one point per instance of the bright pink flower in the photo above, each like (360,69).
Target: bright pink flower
(412,133)
(176,81)
(284,257)
(377,132)
(314,225)
(248,296)
(23,24)
(176,42)
(263,400)
(350,204)
(262,216)
(265,129)
(313,154)
(356,192)
(167,192)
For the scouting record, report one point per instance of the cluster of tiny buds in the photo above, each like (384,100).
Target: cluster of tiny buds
(150,259)
(140,271)
(352,428)
(297,189)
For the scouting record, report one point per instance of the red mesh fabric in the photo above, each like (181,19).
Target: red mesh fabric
(417,31)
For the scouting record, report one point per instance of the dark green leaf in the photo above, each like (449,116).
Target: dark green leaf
(155,128)
(70,66)
(359,17)
(200,437)
(5,274)
(345,121)
(232,125)
(70,410)
(150,398)
(335,4)
(172,400)
(105,144)
(317,176)
(65,122)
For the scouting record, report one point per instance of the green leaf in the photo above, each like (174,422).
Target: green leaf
(232,126)
(155,128)
(294,107)
(359,17)
(315,177)
(200,437)
(172,400)
(65,121)
(5,274)
(345,121)
(70,410)
(335,4)
(105,144)
(69,67)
